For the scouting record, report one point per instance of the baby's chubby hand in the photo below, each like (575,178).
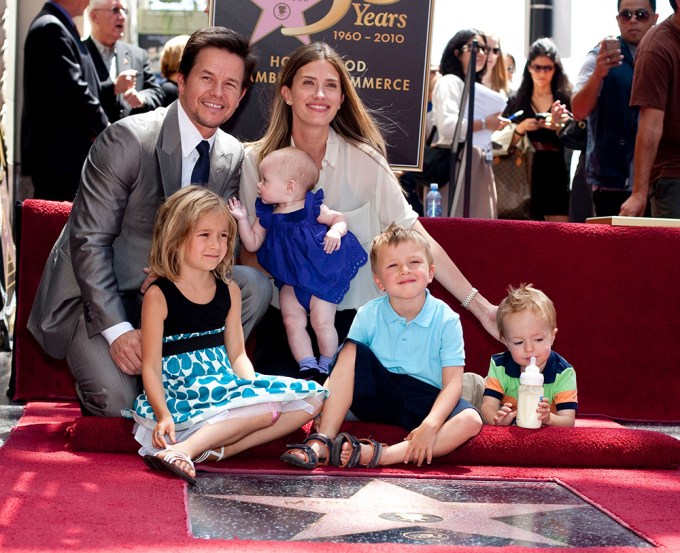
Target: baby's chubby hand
(505,415)
(544,412)
(332,240)
(236,209)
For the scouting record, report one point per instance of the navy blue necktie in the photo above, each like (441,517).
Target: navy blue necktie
(201,171)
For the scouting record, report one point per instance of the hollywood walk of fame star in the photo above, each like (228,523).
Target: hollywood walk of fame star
(383,506)
(281,13)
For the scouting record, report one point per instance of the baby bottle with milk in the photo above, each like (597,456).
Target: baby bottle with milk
(530,395)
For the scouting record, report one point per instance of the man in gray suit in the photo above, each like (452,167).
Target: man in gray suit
(88,303)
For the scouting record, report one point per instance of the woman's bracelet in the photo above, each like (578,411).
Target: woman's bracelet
(471,295)
(518,134)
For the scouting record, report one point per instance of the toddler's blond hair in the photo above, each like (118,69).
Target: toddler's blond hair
(526,297)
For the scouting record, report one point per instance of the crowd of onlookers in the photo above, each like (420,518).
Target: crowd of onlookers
(621,101)
(99,80)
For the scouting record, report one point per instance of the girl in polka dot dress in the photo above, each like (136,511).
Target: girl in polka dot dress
(202,399)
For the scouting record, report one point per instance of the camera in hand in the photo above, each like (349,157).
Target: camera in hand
(543,115)
(611,44)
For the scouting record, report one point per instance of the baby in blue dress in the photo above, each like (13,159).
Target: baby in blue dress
(307,249)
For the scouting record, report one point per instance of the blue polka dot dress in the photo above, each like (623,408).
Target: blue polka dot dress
(199,383)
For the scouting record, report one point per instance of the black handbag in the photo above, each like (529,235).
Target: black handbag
(574,135)
(436,162)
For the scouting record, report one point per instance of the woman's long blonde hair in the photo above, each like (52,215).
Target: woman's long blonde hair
(499,79)
(175,221)
(353,121)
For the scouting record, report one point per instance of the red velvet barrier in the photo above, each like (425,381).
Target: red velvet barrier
(37,375)
(614,288)
(589,445)
(616,292)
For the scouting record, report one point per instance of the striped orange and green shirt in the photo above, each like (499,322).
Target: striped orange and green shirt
(559,381)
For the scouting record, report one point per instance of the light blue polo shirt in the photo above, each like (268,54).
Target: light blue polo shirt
(420,347)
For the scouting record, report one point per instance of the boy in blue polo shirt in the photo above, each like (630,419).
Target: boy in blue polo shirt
(402,364)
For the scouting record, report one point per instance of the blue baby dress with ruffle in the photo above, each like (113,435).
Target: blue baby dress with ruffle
(293,252)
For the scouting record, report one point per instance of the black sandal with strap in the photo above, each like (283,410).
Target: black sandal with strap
(312,459)
(355,453)
(377,452)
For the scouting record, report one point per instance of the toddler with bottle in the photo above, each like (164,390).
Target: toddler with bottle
(527,324)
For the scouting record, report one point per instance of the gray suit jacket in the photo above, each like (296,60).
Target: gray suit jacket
(131,168)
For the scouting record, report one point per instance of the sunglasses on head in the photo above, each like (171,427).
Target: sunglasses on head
(641,15)
(539,68)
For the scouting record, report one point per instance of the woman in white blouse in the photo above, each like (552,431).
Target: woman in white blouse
(317,109)
(448,91)
(446,108)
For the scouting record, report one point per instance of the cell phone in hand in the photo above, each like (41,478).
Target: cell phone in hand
(610,44)
(543,115)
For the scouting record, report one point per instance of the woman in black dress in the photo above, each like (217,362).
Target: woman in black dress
(544,96)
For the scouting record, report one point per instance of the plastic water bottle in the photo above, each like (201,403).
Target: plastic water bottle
(433,201)
(530,395)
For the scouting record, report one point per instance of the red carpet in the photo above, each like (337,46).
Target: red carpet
(598,278)
(52,499)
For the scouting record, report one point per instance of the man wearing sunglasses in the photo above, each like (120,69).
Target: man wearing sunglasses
(602,95)
(127,82)
(656,90)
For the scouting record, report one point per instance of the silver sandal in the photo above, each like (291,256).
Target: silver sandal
(168,463)
(211,455)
